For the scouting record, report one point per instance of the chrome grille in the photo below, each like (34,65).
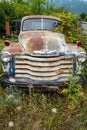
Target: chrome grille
(43,68)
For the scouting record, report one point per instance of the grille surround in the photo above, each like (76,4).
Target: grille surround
(45,68)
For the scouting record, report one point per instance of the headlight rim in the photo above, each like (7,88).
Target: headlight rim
(80,56)
(8,55)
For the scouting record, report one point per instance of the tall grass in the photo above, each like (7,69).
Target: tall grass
(39,111)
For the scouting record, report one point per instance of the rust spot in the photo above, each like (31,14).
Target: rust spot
(59,71)
(15,49)
(36,42)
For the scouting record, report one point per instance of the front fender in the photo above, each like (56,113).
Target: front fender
(14,48)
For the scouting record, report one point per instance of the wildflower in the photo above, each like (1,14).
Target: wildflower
(11,124)
(54,110)
(18,108)
(10,96)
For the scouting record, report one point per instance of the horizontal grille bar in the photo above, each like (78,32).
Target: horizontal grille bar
(42,58)
(42,78)
(42,69)
(42,74)
(50,63)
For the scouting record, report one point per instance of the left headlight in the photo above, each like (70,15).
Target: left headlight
(81,57)
(5,57)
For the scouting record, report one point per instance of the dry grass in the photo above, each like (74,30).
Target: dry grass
(40,111)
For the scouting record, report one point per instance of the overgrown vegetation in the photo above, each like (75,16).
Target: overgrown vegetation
(73,91)
(36,110)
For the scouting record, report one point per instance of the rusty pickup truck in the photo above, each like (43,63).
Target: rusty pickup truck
(41,57)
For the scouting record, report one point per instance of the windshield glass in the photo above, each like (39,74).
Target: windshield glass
(40,24)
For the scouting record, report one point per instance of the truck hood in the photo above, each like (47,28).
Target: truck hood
(42,42)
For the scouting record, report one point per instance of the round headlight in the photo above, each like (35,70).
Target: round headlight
(5,57)
(82,57)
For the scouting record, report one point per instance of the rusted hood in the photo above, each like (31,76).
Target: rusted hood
(42,41)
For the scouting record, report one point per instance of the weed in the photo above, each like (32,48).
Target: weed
(74,92)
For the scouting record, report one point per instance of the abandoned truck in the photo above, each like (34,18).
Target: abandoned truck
(41,57)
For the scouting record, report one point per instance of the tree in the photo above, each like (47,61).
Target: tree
(18,1)
(10,11)
(21,10)
(7,12)
(85,18)
(70,26)
(51,3)
(82,16)
(37,6)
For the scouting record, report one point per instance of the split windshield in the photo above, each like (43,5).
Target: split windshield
(39,24)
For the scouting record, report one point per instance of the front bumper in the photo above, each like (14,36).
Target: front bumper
(26,83)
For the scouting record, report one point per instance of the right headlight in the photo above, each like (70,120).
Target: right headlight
(81,57)
(5,57)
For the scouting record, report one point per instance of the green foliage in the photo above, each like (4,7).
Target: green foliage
(70,26)
(12,11)
(42,6)
(21,10)
(46,111)
(50,7)
(18,1)
(6,13)
(83,17)
(37,6)
(74,92)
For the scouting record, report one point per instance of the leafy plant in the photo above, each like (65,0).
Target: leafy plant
(73,92)
(70,26)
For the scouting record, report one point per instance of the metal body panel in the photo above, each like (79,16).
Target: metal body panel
(14,48)
(74,49)
(42,40)
(29,83)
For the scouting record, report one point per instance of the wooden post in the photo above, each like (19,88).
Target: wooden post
(7,27)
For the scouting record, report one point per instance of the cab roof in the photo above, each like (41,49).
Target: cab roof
(41,16)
